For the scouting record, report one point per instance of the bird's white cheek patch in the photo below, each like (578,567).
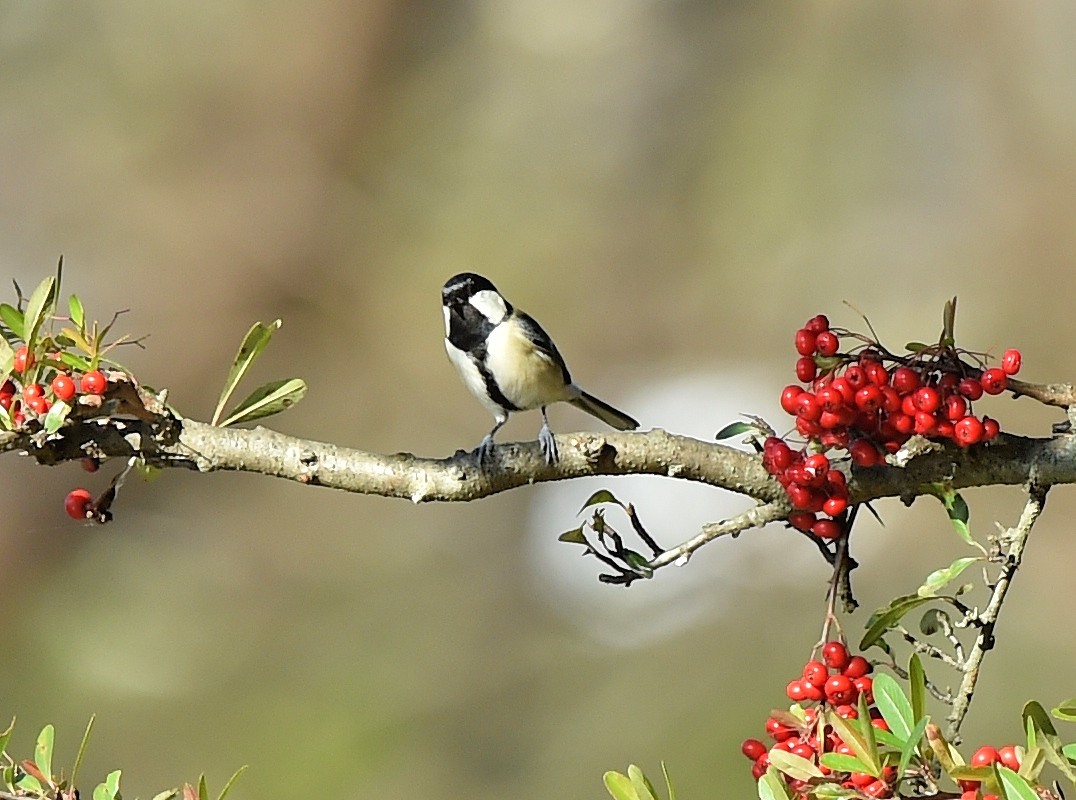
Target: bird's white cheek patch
(490,304)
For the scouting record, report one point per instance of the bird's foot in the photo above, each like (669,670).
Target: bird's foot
(549,445)
(484,451)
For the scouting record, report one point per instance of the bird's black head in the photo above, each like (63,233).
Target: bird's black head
(461,288)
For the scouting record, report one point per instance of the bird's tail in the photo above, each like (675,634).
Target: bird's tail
(603,411)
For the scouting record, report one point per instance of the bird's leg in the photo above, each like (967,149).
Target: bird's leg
(546,440)
(484,451)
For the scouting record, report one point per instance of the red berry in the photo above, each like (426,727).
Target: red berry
(876,373)
(926,399)
(994,381)
(856,377)
(857,667)
(984,756)
(807,407)
(778,730)
(817,324)
(878,788)
(801,520)
(826,529)
(880,724)
(94,382)
(805,342)
(804,750)
(24,359)
(753,749)
(869,398)
(834,506)
(846,711)
(827,343)
(806,369)
(835,655)
(830,398)
(788,397)
(1008,754)
(861,779)
(864,453)
(968,431)
(90,464)
(815,673)
(971,388)
(78,503)
(39,405)
(924,421)
(864,685)
(32,390)
(905,380)
(63,387)
(1011,361)
(956,407)
(817,463)
(990,428)
(840,690)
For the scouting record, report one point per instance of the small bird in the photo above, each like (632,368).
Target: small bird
(509,363)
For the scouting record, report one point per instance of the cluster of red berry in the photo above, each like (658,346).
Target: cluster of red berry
(37,398)
(1009,756)
(856,403)
(835,683)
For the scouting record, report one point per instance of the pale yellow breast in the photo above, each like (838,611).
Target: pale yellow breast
(526,376)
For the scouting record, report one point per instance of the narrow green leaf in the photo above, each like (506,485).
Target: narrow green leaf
(272,398)
(839,762)
(1032,763)
(1041,733)
(203,792)
(56,415)
(43,750)
(915,347)
(28,783)
(14,320)
(599,497)
(861,742)
(868,732)
(253,343)
(734,429)
(772,787)
(573,536)
(917,685)
(77,314)
(1069,751)
(5,736)
(940,577)
(888,616)
(619,786)
(895,707)
(959,514)
(641,784)
(793,765)
(7,357)
(167,794)
(1065,710)
(82,749)
(41,305)
(1016,788)
(638,563)
(668,782)
(76,362)
(231,782)
(911,744)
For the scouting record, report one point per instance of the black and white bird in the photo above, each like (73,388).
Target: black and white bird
(509,363)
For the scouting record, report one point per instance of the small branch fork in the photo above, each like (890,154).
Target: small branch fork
(1012,542)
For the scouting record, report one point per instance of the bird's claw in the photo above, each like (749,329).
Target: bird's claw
(549,445)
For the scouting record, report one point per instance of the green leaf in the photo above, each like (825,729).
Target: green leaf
(917,685)
(641,784)
(638,563)
(1041,733)
(272,398)
(734,429)
(7,357)
(793,765)
(840,762)
(1069,751)
(574,536)
(253,343)
(82,749)
(231,782)
(43,750)
(109,788)
(1032,763)
(668,781)
(40,305)
(959,514)
(916,347)
(167,794)
(772,787)
(911,744)
(889,616)
(56,415)
(862,742)
(599,497)
(14,320)
(1065,710)
(619,786)
(5,736)
(895,708)
(77,315)
(76,362)
(940,577)
(203,793)
(29,783)
(1015,787)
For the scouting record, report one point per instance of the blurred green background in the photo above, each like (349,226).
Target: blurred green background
(671,188)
